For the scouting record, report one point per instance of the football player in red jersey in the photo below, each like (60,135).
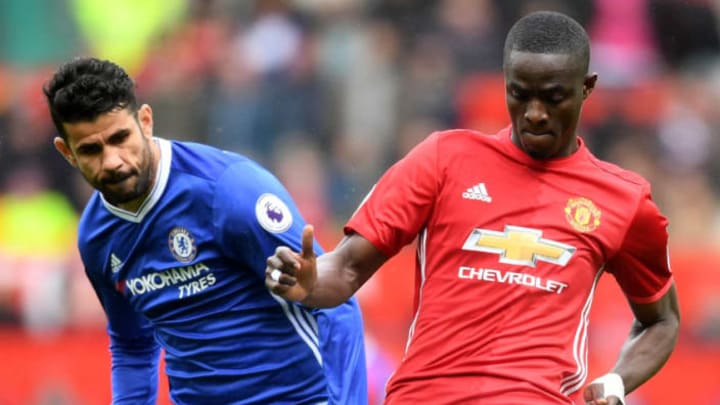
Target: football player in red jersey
(514,231)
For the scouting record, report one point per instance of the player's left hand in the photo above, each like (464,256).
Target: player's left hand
(595,395)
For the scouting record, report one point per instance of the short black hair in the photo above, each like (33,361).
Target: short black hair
(84,88)
(549,32)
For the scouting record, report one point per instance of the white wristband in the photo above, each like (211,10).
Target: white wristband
(612,385)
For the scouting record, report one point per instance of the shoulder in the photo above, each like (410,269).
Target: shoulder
(620,187)
(94,226)
(619,175)
(466,141)
(201,160)
(90,219)
(243,189)
(450,143)
(219,169)
(462,136)
(457,148)
(211,161)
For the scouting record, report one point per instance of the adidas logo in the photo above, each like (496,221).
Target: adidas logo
(477,192)
(115,263)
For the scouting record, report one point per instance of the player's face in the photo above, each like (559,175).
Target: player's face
(544,95)
(115,153)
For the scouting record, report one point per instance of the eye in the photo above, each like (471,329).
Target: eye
(119,137)
(518,94)
(90,149)
(556,98)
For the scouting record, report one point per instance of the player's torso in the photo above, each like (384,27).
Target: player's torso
(168,266)
(212,314)
(511,255)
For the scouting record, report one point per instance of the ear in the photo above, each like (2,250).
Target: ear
(64,150)
(145,119)
(589,84)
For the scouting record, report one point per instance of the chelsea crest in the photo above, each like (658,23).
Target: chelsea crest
(182,244)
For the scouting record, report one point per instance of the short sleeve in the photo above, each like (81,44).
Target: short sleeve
(254,214)
(401,202)
(642,265)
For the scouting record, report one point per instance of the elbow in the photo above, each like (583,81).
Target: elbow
(666,329)
(674,326)
(671,319)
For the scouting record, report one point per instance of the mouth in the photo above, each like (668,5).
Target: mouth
(116,179)
(537,133)
(538,143)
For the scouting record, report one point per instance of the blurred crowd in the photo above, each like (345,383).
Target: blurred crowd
(327,94)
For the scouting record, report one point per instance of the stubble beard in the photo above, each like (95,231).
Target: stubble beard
(144,180)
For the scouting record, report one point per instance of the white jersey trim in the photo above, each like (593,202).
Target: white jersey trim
(307,330)
(575,381)
(161,179)
(422,258)
(307,323)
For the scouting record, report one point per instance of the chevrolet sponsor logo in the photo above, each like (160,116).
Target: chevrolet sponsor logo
(518,245)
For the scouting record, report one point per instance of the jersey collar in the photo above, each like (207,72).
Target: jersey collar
(161,179)
(518,154)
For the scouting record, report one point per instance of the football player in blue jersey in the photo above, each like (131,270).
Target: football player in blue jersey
(174,242)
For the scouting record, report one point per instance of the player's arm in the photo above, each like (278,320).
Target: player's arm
(244,234)
(641,268)
(391,216)
(134,351)
(325,281)
(651,341)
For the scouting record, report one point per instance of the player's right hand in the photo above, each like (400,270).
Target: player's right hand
(604,391)
(292,275)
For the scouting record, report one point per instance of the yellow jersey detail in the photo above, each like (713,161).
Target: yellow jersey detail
(582,214)
(519,245)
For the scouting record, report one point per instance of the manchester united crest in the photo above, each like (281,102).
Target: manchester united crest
(582,214)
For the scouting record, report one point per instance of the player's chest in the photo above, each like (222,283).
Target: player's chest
(522,218)
(164,263)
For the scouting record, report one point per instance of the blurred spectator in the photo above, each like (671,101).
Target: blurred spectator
(685,29)
(411,17)
(473,32)
(429,81)
(511,10)
(27,134)
(690,114)
(299,164)
(123,30)
(368,103)
(36,234)
(193,48)
(624,48)
(266,87)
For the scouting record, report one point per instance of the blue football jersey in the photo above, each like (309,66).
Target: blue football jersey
(186,272)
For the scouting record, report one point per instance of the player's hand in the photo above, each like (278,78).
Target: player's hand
(292,275)
(594,395)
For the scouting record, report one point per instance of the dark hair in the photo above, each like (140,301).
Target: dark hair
(85,88)
(551,33)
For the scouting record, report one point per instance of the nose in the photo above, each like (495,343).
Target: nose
(536,113)
(112,159)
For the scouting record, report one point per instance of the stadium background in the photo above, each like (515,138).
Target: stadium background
(327,94)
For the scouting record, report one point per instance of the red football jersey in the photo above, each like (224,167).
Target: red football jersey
(510,250)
